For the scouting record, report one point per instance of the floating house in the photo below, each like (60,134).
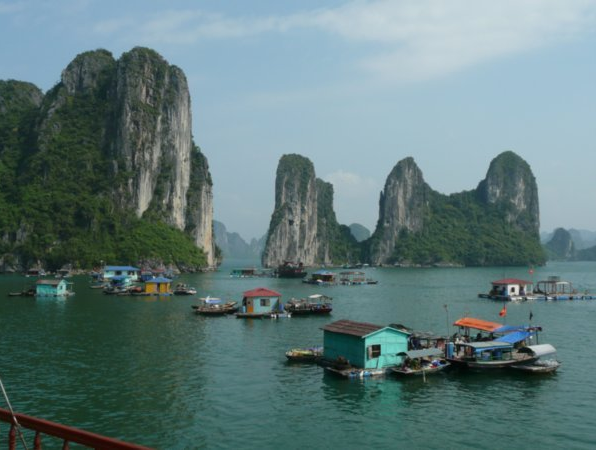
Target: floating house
(509,289)
(52,288)
(360,348)
(35,272)
(158,286)
(260,302)
(110,272)
(555,286)
(322,278)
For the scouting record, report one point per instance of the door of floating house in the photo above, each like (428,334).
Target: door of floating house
(364,345)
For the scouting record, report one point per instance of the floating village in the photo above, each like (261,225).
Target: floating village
(350,348)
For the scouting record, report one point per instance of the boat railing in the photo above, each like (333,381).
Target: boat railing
(68,435)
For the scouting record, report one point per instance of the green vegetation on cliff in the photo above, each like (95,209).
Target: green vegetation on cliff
(341,246)
(58,184)
(461,230)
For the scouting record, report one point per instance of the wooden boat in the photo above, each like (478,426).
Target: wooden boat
(211,306)
(290,269)
(24,293)
(316,304)
(500,350)
(421,362)
(310,354)
(184,289)
(546,362)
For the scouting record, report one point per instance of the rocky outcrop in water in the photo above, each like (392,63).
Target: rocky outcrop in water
(402,207)
(496,224)
(303,226)
(561,245)
(510,185)
(125,127)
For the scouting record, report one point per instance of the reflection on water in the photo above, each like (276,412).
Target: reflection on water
(151,371)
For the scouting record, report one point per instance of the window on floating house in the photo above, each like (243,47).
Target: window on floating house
(374,351)
(264,302)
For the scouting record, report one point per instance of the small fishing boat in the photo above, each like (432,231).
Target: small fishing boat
(316,304)
(546,362)
(211,306)
(310,354)
(421,362)
(499,350)
(290,269)
(24,293)
(184,289)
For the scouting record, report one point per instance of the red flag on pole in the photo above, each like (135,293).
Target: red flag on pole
(503,311)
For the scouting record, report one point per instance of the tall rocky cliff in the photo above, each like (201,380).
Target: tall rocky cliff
(402,207)
(561,245)
(117,133)
(497,223)
(509,183)
(303,226)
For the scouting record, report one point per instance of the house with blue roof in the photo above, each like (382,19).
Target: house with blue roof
(110,272)
(158,286)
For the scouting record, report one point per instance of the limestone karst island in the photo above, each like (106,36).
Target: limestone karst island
(103,168)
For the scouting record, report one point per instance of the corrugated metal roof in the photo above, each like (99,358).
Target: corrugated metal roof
(516,336)
(359,329)
(261,292)
(539,350)
(129,268)
(50,282)
(158,280)
(477,324)
(511,281)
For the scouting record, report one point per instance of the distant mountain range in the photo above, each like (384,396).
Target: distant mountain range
(232,245)
(581,238)
(570,245)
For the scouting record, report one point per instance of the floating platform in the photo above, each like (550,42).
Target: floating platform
(524,298)
(267,315)
(356,372)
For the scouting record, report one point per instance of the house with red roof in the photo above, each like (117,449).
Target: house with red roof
(260,302)
(508,289)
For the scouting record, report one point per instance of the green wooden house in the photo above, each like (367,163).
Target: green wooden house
(364,345)
(51,288)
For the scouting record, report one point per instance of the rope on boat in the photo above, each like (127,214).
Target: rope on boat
(14,418)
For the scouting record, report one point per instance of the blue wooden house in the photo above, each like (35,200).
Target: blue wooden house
(260,302)
(364,345)
(110,272)
(52,288)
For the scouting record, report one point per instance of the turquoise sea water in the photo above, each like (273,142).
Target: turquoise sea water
(150,371)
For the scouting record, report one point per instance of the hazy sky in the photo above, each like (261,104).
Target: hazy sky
(355,86)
